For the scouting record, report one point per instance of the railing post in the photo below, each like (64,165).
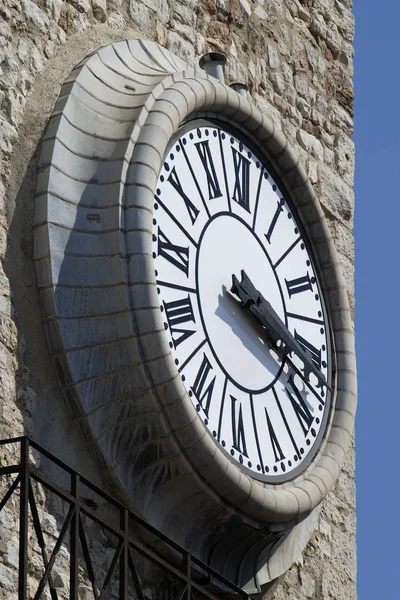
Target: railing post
(23,520)
(74,537)
(189,576)
(123,559)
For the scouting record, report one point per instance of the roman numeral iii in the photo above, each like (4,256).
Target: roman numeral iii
(203,149)
(298,285)
(178,312)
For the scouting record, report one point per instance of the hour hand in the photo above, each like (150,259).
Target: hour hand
(276,331)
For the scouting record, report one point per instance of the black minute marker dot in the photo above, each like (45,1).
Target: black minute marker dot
(156,206)
(166,166)
(302,246)
(283,467)
(320,407)
(322,330)
(154,238)
(158,291)
(205,421)
(215,133)
(165,326)
(198,133)
(232,452)
(156,273)
(184,141)
(191,394)
(308,264)
(323,347)
(223,443)
(171,346)
(223,136)
(158,191)
(183,378)
(176,361)
(249,154)
(171,156)
(317,421)
(154,222)
(232,140)
(214,433)
(257,165)
(206,132)
(313,280)
(301,450)
(296,230)
(241,147)
(191,135)
(249,465)
(178,148)
(267,469)
(308,442)
(295,458)
(162,178)
(313,432)
(289,463)
(319,313)
(275,469)
(258,468)
(274,188)
(323,364)
(316,297)
(197,406)
(162,308)
(282,201)
(322,393)
(241,459)
(154,255)
(265,175)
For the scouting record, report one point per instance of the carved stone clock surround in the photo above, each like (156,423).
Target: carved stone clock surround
(128,154)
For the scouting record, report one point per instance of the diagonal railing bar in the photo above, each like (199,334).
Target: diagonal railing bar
(88,560)
(135,576)
(9,492)
(53,556)
(195,577)
(111,569)
(42,545)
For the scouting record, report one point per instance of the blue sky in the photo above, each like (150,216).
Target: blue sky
(377,235)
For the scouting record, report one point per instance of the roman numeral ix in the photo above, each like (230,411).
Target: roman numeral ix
(178,312)
(176,255)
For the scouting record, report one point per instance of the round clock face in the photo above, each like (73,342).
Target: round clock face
(262,395)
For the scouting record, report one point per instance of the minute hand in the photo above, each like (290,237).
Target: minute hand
(276,330)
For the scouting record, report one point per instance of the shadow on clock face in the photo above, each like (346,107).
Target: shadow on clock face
(250,335)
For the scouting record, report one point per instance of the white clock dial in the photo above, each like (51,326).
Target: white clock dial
(218,211)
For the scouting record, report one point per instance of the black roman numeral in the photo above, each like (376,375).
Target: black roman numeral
(296,286)
(274,221)
(309,349)
(203,149)
(202,389)
(176,255)
(178,312)
(274,440)
(175,182)
(300,407)
(239,440)
(241,191)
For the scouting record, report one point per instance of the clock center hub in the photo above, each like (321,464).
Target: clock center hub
(227,246)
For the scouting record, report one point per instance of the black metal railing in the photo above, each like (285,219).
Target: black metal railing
(95,547)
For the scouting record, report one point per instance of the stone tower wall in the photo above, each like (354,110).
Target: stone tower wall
(296,57)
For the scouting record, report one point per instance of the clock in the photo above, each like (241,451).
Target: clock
(218,211)
(194,308)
